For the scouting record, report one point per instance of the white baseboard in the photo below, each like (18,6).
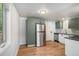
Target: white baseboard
(49,40)
(33,45)
(22,43)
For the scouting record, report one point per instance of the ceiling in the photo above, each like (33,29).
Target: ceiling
(56,11)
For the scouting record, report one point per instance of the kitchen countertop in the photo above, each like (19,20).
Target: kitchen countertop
(74,37)
(63,33)
(71,36)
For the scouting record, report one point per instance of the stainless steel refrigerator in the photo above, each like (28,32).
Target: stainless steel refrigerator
(40,35)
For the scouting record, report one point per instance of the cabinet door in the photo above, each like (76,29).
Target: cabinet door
(74,48)
(59,25)
(71,47)
(67,47)
(61,38)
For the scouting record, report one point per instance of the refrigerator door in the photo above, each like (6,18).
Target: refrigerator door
(38,27)
(38,40)
(41,39)
(42,27)
(39,35)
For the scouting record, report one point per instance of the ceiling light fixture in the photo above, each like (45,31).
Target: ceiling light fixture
(43,11)
(63,18)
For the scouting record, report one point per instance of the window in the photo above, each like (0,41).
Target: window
(2,24)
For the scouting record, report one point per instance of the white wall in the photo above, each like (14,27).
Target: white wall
(65,24)
(50,27)
(23,30)
(12,32)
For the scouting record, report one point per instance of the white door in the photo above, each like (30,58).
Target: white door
(50,28)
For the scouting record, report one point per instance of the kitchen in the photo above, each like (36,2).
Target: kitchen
(41,24)
(69,36)
(58,29)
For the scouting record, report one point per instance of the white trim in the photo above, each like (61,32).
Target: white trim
(4,48)
(33,45)
(17,50)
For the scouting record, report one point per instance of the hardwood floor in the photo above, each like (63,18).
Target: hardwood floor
(51,49)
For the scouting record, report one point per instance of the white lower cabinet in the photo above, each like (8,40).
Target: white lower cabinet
(71,47)
(61,38)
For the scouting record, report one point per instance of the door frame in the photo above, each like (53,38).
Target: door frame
(44,41)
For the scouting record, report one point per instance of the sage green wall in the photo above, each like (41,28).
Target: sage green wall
(30,23)
(74,25)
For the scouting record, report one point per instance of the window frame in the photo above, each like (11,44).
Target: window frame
(4,26)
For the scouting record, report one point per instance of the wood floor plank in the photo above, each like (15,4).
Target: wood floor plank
(51,49)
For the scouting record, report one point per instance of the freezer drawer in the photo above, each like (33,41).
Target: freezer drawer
(40,39)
